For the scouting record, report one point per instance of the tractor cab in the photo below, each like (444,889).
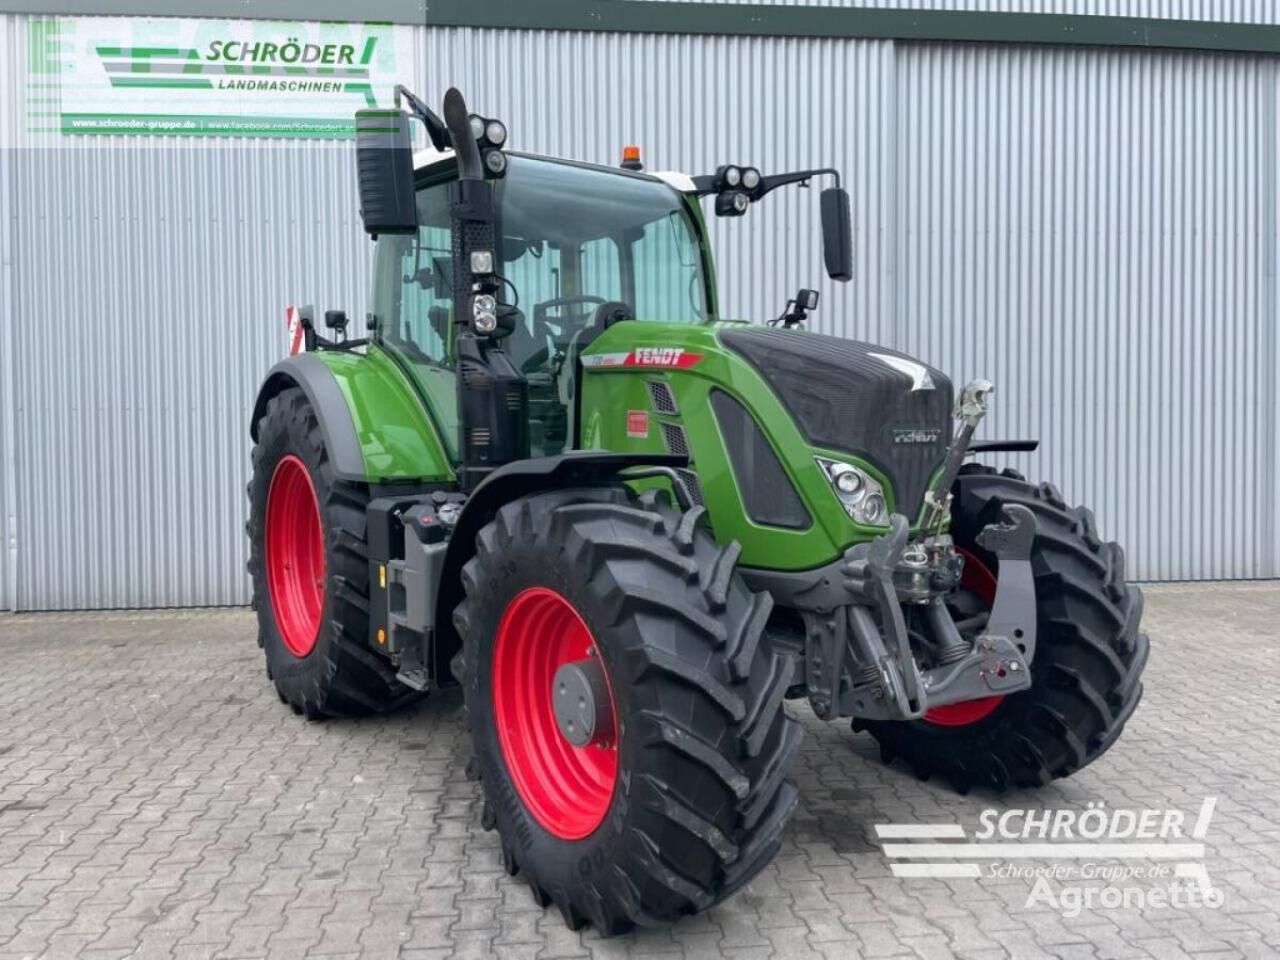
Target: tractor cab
(577,248)
(496,272)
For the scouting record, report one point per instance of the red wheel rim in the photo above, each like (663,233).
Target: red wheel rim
(295,555)
(981,582)
(568,789)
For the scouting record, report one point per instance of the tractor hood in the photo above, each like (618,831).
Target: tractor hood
(846,396)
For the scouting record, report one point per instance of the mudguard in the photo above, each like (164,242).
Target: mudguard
(575,468)
(309,373)
(374,425)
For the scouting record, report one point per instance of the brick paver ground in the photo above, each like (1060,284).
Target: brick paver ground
(157,800)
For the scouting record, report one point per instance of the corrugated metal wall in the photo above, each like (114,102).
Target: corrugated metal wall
(1092,229)
(1086,228)
(1222,11)
(8,516)
(148,300)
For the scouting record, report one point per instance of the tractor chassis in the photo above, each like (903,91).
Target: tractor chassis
(858,656)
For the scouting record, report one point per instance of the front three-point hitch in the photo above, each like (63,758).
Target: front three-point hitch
(881,641)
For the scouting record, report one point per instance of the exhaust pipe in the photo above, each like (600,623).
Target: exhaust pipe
(458,119)
(493,397)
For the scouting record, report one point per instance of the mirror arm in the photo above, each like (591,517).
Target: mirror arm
(771,183)
(437,132)
(705,185)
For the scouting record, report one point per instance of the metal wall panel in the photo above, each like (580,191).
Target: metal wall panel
(8,466)
(1092,229)
(153,294)
(1088,228)
(149,297)
(1219,11)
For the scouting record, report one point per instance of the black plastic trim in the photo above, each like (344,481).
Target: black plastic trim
(1003,446)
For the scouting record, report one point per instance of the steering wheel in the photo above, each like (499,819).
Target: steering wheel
(540,320)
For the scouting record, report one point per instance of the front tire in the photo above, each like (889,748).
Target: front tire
(685,801)
(310,570)
(1086,675)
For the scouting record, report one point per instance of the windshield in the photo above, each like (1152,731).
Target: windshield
(574,237)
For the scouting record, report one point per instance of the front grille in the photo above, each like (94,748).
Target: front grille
(673,436)
(766,491)
(661,397)
(845,395)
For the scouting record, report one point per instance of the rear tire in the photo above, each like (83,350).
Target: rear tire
(323,666)
(1086,675)
(703,745)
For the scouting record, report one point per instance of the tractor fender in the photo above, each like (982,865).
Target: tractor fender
(576,468)
(316,380)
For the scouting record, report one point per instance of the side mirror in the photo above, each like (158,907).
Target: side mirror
(837,236)
(384,166)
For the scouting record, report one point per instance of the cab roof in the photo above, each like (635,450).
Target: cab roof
(681,182)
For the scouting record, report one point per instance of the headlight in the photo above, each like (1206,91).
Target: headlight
(484,313)
(751,178)
(858,492)
(477,126)
(873,510)
(732,176)
(848,480)
(496,132)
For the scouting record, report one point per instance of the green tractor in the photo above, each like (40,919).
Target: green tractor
(630,529)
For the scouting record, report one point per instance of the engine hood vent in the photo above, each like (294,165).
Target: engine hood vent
(844,395)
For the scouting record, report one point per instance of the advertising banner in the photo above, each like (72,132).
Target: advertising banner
(219,78)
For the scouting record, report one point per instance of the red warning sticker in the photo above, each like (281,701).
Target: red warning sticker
(637,423)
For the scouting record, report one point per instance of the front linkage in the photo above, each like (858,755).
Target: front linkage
(860,659)
(858,652)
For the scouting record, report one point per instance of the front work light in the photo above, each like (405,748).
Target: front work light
(732,203)
(482,261)
(495,161)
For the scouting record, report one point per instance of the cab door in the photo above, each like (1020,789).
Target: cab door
(412,301)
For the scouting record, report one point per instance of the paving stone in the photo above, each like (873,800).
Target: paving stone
(174,808)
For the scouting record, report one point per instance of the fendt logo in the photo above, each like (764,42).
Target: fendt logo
(659,356)
(644,357)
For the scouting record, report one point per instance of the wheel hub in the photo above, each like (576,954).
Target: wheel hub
(581,702)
